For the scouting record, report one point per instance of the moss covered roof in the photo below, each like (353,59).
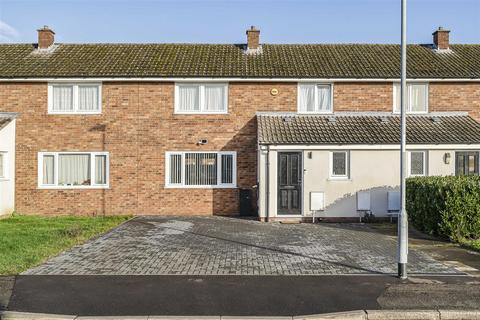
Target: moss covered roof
(366,129)
(226,60)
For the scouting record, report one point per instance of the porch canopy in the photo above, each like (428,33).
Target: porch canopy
(366,128)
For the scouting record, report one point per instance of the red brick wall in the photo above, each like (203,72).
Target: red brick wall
(447,96)
(443,97)
(140,126)
(363,96)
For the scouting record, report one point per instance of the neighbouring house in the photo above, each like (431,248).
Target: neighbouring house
(283,131)
(7,161)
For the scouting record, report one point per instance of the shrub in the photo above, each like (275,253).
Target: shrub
(445,206)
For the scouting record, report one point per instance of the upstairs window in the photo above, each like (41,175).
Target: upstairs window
(74,98)
(315,98)
(201,169)
(201,98)
(417,98)
(66,170)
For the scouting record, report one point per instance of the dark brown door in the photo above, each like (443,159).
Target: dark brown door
(289,183)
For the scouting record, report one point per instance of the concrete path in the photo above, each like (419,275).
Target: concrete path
(229,246)
(6,288)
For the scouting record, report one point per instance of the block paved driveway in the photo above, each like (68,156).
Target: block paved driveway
(229,246)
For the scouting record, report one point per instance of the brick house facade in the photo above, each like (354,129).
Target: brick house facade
(138,125)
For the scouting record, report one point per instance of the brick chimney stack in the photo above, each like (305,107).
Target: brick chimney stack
(253,38)
(46,37)
(441,38)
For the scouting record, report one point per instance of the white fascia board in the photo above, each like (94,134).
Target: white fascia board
(159,79)
(360,114)
(376,147)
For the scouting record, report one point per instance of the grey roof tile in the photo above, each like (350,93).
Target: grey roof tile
(366,129)
(229,60)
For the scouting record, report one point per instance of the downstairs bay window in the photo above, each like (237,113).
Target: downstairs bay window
(201,169)
(70,170)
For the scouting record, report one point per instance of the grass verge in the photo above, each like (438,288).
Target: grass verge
(26,241)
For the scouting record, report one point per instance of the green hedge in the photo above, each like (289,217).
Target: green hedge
(445,206)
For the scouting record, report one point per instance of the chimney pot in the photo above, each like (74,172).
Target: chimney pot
(441,38)
(253,38)
(46,37)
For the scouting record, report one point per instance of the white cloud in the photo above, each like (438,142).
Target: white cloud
(7,32)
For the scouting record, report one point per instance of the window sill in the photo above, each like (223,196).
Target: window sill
(300,215)
(200,113)
(339,179)
(72,187)
(410,112)
(199,187)
(4,179)
(74,113)
(315,112)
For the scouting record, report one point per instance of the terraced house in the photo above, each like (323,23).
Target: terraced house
(283,131)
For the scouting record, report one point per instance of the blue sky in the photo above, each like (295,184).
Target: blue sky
(215,21)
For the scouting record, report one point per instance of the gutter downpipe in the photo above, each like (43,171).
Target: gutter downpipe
(267,186)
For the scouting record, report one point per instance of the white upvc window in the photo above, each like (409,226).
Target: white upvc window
(339,165)
(201,169)
(195,98)
(75,98)
(3,165)
(315,98)
(417,97)
(73,170)
(417,163)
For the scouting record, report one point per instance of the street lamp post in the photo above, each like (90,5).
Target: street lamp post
(403,219)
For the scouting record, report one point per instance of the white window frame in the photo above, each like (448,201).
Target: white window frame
(92,170)
(395,97)
(219,185)
(4,174)
(409,163)
(75,97)
(201,97)
(346,176)
(315,84)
